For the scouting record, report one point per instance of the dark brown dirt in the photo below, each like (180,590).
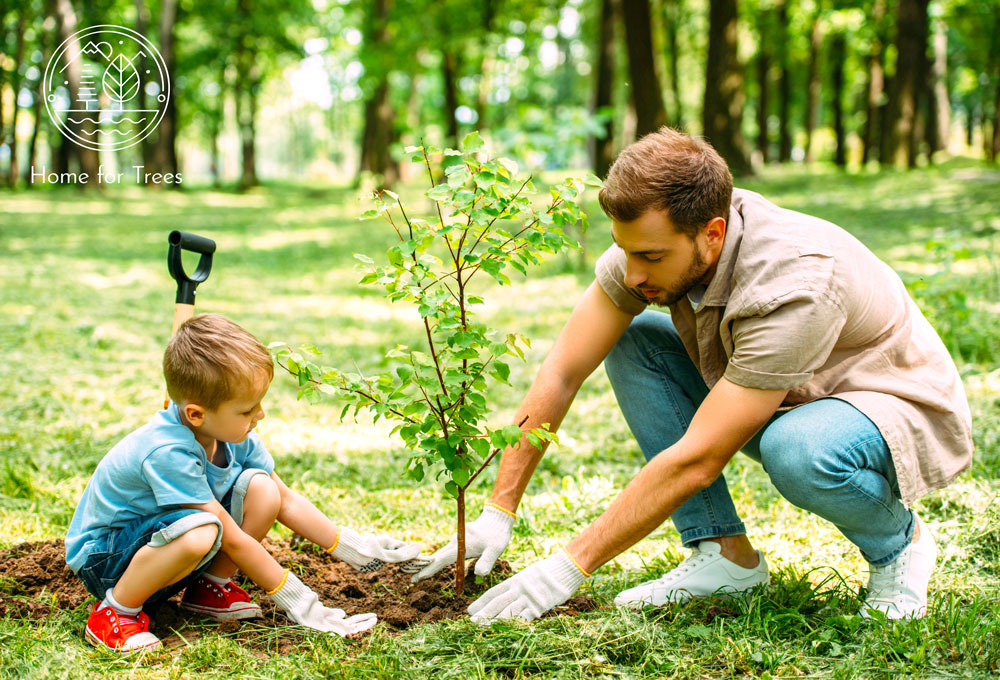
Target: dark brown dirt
(35,581)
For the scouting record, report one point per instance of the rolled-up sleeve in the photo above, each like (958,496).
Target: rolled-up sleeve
(176,477)
(782,349)
(610,274)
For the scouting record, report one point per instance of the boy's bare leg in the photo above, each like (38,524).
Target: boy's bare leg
(154,568)
(260,509)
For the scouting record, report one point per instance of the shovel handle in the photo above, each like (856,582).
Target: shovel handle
(186,284)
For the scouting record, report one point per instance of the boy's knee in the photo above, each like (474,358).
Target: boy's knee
(263,496)
(199,541)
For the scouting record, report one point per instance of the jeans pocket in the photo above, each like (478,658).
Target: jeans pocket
(93,572)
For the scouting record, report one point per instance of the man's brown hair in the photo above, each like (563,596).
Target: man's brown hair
(211,360)
(670,171)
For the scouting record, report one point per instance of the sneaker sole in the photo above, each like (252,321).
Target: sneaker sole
(230,615)
(100,644)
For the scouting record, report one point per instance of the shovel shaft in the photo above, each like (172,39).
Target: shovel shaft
(182,313)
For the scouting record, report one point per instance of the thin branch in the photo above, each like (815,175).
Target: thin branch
(488,459)
(459,402)
(493,221)
(361,393)
(430,174)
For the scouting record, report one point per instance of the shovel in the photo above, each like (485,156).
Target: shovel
(187,285)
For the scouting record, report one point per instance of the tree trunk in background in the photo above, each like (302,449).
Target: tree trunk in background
(45,43)
(904,96)
(565,81)
(995,145)
(486,65)
(15,86)
(722,115)
(86,158)
(166,139)
(875,89)
(3,39)
(671,21)
(763,76)
(838,55)
(602,149)
(142,28)
(970,123)
(379,131)
(647,98)
(377,137)
(814,82)
(448,69)
(784,87)
(939,84)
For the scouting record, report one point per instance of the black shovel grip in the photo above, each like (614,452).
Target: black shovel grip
(186,285)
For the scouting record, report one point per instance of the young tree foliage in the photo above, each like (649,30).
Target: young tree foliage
(484,223)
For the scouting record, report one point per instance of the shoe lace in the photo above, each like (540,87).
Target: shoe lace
(887,581)
(694,560)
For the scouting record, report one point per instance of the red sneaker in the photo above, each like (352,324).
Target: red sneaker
(222,603)
(107,630)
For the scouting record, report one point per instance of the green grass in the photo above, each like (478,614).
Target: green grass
(85,312)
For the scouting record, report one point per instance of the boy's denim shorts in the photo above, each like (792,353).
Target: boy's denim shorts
(107,562)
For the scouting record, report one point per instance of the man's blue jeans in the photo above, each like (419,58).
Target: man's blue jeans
(825,456)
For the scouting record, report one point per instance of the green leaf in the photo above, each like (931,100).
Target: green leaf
(480,446)
(472,142)
(451,488)
(417,472)
(484,180)
(461,476)
(501,371)
(440,193)
(512,434)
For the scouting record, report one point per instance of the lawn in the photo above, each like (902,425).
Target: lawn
(85,312)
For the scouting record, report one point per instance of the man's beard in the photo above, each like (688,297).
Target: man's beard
(689,279)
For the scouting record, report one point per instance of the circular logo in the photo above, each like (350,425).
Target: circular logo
(106,87)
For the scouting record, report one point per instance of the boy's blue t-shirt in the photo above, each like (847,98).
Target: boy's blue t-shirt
(156,468)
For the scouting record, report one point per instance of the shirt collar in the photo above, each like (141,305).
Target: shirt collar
(717,293)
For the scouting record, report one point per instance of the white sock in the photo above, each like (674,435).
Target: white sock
(110,601)
(217,580)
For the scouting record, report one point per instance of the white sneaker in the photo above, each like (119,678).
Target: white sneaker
(899,589)
(705,572)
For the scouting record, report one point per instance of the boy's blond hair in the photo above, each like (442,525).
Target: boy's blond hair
(211,360)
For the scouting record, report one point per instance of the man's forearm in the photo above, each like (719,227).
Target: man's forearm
(547,401)
(727,419)
(661,487)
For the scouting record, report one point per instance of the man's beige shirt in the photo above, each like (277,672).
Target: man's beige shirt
(798,303)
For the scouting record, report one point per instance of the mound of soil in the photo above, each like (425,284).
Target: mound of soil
(35,581)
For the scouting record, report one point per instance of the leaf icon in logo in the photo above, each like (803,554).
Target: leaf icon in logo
(121,80)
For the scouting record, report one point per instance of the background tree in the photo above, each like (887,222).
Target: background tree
(722,115)
(908,83)
(644,83)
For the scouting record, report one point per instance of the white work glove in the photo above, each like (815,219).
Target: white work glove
(302,606)
(530,593)
(368,553)
(486,538)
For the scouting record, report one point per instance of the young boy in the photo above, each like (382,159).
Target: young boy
(184,501)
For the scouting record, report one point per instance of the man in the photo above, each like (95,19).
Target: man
(787,338)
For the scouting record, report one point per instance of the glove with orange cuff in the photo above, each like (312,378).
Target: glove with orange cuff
(301,604)
(485,538)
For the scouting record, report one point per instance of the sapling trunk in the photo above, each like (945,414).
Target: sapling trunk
(460,560)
